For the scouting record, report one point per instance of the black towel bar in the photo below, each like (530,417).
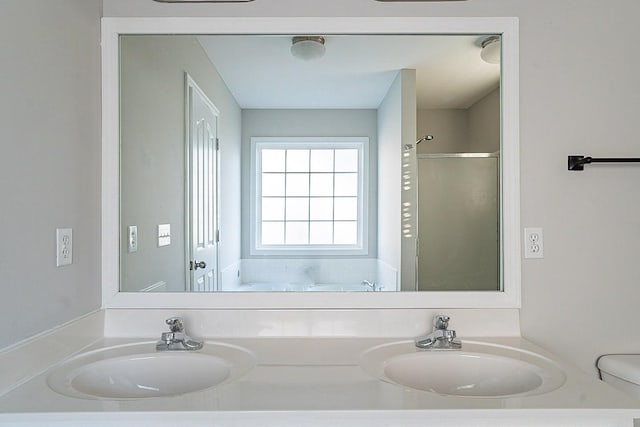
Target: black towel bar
(576,163)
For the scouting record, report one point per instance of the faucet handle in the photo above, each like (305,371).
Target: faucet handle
(441,322)
(175,324)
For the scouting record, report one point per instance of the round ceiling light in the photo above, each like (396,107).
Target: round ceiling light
(491,50)
(307,47)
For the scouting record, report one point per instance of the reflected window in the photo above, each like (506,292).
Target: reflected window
(309,193)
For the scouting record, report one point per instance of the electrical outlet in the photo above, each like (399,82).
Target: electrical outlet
(64,246)
(533,243)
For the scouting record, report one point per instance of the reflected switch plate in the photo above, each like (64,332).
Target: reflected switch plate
(164,235)
(132,233)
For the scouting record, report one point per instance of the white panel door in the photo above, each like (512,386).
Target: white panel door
(203,190)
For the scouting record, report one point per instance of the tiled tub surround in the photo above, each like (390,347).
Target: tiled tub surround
(307,372)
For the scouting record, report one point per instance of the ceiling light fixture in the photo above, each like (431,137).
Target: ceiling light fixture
(202,1)
(307,47)
(491,50)
(420,0)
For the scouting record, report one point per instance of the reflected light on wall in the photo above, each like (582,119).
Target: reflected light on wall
(407,216)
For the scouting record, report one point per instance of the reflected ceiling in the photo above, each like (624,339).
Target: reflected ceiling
(261,72)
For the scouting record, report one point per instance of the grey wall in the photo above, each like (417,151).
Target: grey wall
(153,156)
(456,130)
(578,94)
(49,162)
(310,123)
(449,127)
(484,124)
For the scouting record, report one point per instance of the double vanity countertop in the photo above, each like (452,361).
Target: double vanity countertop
(302,381)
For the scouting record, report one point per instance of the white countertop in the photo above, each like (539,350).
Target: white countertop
(307,373)
(295,378)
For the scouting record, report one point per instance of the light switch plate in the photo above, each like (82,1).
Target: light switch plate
(132,234)
(64,246)
(164,234)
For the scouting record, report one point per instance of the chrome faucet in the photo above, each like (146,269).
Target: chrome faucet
(176,338)
(373,285)
(441,338)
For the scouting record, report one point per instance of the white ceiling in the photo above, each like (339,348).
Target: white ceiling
(355,72)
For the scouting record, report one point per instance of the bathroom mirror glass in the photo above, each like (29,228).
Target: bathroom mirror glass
(320,162)
(265,162)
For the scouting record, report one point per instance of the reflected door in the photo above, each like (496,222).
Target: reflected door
(203,195)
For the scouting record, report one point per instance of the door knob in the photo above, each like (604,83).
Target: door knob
(196,265)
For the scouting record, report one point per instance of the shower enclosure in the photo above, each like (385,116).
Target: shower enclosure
(458,222)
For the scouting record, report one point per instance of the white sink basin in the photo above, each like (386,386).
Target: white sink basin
(478,370)
(138,371)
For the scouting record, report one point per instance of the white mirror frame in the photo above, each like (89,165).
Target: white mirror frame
(510,163)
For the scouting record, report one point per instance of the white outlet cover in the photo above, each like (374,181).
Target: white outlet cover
(64,246)
(533,243)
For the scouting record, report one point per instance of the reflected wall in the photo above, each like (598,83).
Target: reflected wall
(152,158)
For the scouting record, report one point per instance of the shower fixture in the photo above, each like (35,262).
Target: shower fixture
(424,138)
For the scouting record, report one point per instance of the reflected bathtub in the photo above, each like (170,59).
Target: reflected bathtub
(349,287)
(297,287)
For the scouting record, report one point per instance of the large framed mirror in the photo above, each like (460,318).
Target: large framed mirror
(307,163)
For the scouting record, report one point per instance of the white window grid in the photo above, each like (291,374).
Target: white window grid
(359,246)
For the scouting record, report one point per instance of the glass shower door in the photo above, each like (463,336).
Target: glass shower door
(458,222)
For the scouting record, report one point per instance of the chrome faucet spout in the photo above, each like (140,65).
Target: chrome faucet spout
(177,339)
(441,338)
